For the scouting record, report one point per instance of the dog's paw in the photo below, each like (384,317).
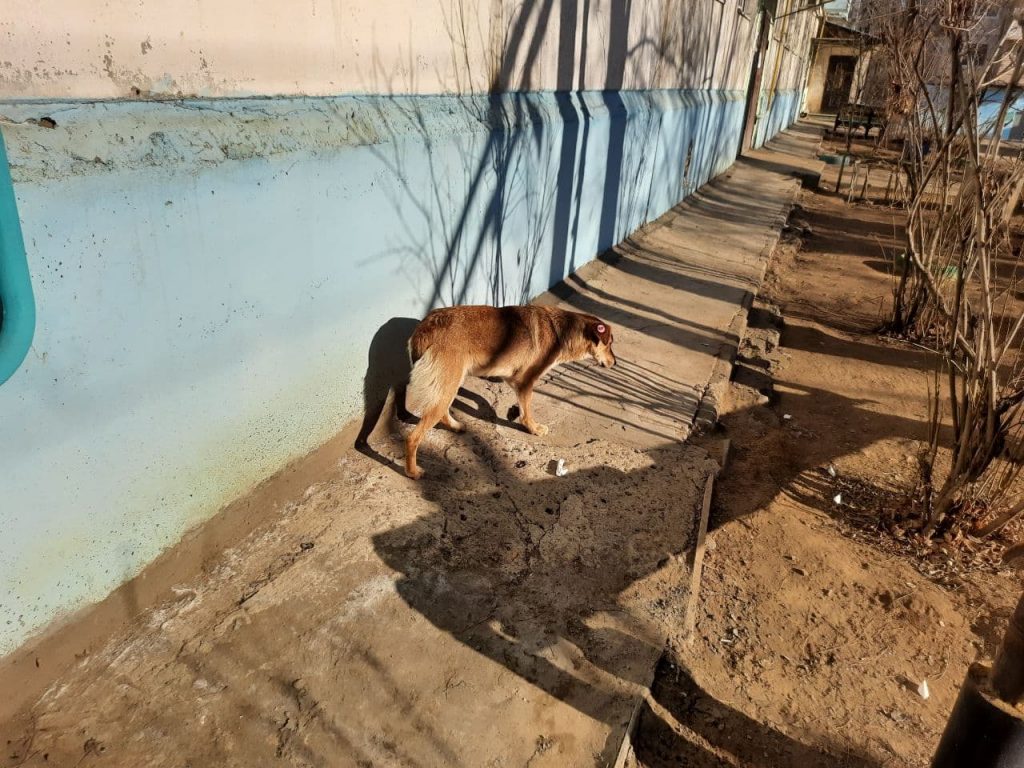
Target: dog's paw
(539,430)
(415,473)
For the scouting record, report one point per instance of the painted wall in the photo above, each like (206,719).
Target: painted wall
(209,275)
(58,49)
(839,8)
(988,113)
(818,75)
(781,111)
(786,64)
(209,272)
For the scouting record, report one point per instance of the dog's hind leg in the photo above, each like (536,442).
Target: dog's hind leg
(412,442)
(451,423)
(437,411)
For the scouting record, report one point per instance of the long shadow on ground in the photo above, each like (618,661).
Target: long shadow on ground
(707,733)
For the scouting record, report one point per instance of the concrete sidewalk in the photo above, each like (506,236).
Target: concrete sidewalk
(492,615)
(679,292)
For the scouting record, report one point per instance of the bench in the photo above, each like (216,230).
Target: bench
(854,116)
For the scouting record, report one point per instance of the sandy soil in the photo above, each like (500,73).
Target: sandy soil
(816,628)
(387,623)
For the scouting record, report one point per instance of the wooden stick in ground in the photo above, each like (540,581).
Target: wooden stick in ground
(626,746)
(698,561)
(889,186)
(853,181)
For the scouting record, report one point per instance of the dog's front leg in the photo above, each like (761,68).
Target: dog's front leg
(524,391)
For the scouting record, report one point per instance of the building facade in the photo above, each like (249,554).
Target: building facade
(222,202)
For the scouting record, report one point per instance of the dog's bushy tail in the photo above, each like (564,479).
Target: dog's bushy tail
(426,383)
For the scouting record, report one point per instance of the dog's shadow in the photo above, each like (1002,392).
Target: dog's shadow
(476,405)
(387,375)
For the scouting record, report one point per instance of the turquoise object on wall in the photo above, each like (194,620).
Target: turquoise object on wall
(17,307)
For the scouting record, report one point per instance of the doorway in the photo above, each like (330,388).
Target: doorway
(838,82)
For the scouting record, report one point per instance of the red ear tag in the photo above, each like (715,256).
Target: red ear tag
(601,328)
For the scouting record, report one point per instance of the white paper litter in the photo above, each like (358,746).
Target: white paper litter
(560,470)
(838,498)
(922,690)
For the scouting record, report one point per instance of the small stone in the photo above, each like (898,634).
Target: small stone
(922,690)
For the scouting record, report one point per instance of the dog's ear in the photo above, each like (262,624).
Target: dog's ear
(599,332)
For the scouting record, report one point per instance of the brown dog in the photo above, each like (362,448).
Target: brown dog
(517,344)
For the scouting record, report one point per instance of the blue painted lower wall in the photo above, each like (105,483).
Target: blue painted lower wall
(209,274)
(988,112)
(989,107)
(779,110)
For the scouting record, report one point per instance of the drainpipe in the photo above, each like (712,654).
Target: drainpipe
(986,727)
(754,84)
(805,8)
(17,307)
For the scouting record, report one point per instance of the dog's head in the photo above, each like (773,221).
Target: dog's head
(599,342)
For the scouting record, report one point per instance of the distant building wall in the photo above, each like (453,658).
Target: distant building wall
(840,8)
(818,76)
(209,272)
(989,107)
(786,64)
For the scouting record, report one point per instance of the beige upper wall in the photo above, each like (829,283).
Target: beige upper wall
(116,49)
(789,54)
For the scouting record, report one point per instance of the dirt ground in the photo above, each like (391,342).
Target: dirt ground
(816,628)
(381,622)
